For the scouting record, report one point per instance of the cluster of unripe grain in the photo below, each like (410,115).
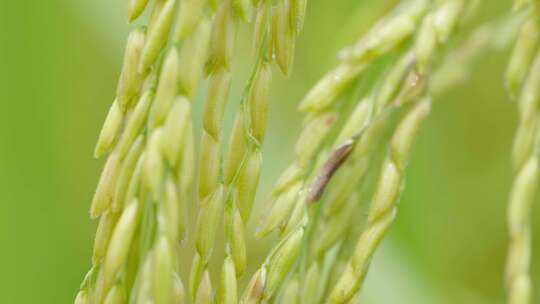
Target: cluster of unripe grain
(231,186)
(211,194)
(523,82)
(146,183)
(401,87)
(435,28)
(324,248)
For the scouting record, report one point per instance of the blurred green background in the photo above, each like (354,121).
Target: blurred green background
(59,63)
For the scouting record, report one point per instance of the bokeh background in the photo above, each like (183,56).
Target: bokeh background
(59,64)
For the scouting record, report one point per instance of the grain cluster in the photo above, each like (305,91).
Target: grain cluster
(334,203)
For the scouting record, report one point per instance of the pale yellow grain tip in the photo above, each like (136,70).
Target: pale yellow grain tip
(345,288)
(170,212)
(298,216)
(205,292)
(258,102)
(208,222)
(136,8)
(247,183)
(385,38)
(193,57)
(405,133)
(110,131)
(387,191)
(135,123)
(121,242)
(281,210)
(357,120)
(186,170)
(237,148)
(234,232)
(228,290)
(324,94)
(282,260)
(313,133)
(253,293)
(218,93)
(103,235)
(222,39)
(153,163)
(163,271)
(522,196)
(157,38)
(166,90)
(292,174)
(209,165)
(174,129)
(134,186)
(104,194)
(368,243)
(126,173)
(130,78)
(189,15)
(283,36)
